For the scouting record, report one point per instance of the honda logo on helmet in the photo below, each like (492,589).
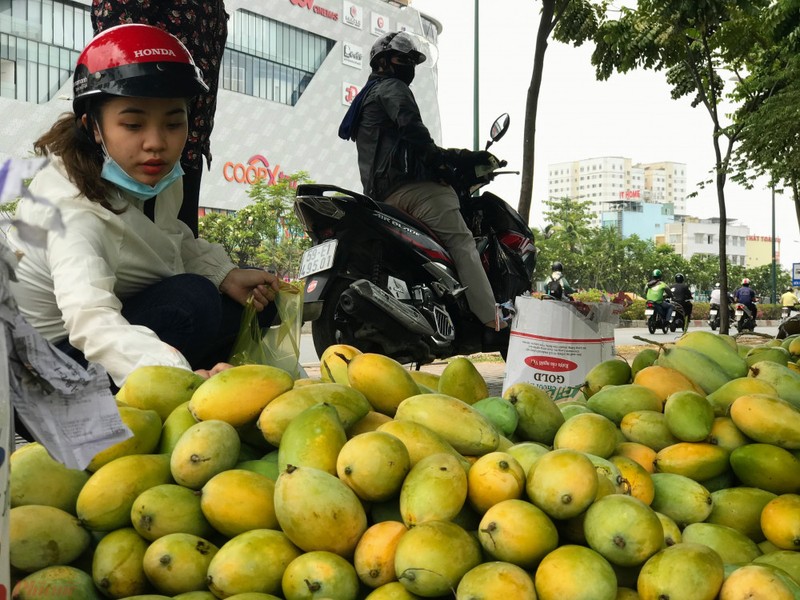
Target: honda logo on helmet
(153,52)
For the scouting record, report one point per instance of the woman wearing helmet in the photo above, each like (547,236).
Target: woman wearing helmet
(126,284)
(656,290)
(682,294)
(746,296)
(557,285)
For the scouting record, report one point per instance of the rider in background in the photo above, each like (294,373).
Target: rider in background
(682,295)
(557,285)
(789,299)
(744,295)
(656,291)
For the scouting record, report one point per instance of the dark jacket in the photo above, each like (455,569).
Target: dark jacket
(681,292)
(394,146)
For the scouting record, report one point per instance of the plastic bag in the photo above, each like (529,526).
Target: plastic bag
(276,346)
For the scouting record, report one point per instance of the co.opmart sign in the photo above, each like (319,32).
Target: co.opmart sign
(257,167)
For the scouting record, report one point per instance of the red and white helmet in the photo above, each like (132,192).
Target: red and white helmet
(135,60)
(745,281)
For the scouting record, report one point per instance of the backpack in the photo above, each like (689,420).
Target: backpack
(554,288)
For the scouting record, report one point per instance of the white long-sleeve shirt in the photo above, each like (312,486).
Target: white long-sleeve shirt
(74,287)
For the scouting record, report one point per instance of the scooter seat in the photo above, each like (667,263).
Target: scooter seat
(408,219)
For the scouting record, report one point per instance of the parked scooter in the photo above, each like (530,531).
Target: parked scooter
(379,280)
(745,319)
(654,318)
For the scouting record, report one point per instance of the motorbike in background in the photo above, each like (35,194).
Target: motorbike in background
(678,319)
(654,318)
(786,311)
(745,320)
(378,279)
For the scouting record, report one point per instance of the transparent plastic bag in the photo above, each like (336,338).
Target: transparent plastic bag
(276,346)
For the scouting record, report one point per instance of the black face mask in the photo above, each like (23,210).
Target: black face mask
(404,73)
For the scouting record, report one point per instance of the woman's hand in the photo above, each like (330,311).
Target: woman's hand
(240,284)
(217,368)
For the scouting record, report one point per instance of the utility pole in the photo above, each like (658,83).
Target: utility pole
(773,270)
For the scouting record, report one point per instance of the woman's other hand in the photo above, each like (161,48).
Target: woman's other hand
(217,368)
(240,284)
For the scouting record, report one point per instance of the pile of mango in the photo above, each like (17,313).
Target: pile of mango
(674,477)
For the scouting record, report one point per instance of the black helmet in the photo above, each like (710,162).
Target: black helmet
(397,42)
(557,266)
(679,278)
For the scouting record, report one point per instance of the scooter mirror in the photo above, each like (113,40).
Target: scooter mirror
(499,127)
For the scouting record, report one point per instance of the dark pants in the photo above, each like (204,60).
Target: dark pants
(188,313)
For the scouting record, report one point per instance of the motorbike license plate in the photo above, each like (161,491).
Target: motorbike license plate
(648,312)
(739,313)
(317,258)
(713,313)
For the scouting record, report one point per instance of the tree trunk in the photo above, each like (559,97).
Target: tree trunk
(796,199)
(531,108)
(720,177)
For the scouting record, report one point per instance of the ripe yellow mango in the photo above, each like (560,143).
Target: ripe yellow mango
(588,432)
(494,477)
(253,561)
(236,501)
(421,441)
(105,501)
(333,363)
(168,508)
(643,455)
(205,449)
(146,428)
(780,521)
(36,478)
(317,511)
(374,554)
(159,388)
(563,483)
(496,579)
(695,460)
(759,582)
(383,381)
(462,380)
(370,422)
(722,399)
(374,465)
(320,572)
(350,404)
(117,568)
(178,562)
(637,480)
(465,428)
(238,395)
(518,532)
(312,439)
(44,536)
(426,379)
(577,573)
(394,590)
(767,419)
(725,434)
(665,381)
(788,560)
(425,559)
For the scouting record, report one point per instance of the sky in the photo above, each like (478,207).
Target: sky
(630,115)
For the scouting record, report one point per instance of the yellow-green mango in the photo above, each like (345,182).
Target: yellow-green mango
(688,416)
(767,419)
(740,508)
(682,499)
(682,571)
(248,451)
(575,572)
(425,559)
(320,574)
(374,464)
(590,433)
(238,395)
(168,508)
(253,561)
(573,408)
(722,399)
(384,382)
(725,434)
(767,467)
(317,511)
(672,533)
(788,560)
(56,583)
(647,427)
(462,380)
(616,401)
(105,501)
(370,422)
(117,568)
(236,501)
(496,579)
(695,366)
(178,563)
(44,536)
(527,453)
(205,449)
(36,478)
(665,381)
(465,428)
(608,372)
(623,529)
(146,428)
(539,416)
(426,379)
(518,532)
(731,544)
(251,436)
(206,595)
(765,580)
(262,466)
(776,354)
(785,381)
(500,412)
(333,363)
(350,404)
(724,480)
(313,439)
(393,590)
(563,483)
(159,388)
(421,441)
(434,489)
(695,460)
(643,359)
(175,425)
(718,348)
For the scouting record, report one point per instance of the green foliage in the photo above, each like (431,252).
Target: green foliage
(265,233)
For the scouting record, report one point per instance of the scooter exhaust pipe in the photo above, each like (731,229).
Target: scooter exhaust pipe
(364,295)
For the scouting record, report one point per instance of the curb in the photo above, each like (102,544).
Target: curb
(700,323)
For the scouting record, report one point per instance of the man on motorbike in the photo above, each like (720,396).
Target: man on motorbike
(789,300)
(744,295)
(657,290)
(557,285)
(682,295)
(400,164)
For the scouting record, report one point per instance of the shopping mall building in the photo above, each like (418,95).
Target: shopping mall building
(290,70)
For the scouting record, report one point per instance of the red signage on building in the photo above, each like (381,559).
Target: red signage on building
(257,167)
(628,194)
(318,10)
